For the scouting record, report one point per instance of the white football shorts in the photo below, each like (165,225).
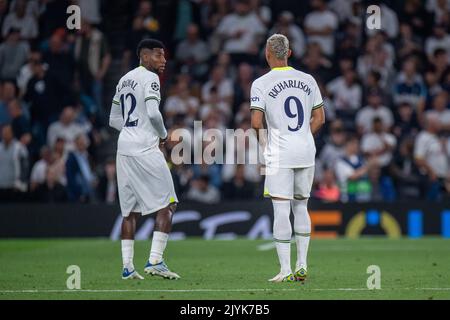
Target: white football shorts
(288,183)
(144,182)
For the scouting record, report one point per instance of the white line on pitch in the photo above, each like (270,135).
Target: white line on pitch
(208,290)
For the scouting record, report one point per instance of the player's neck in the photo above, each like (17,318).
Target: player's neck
(278,64)
(148,68)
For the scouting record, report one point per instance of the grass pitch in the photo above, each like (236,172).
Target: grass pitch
(410,269)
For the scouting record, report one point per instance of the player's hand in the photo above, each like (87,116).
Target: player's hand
(162,141)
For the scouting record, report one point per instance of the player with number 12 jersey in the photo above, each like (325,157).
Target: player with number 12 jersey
(144,181)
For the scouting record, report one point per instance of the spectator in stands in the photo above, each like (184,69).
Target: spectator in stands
(440,63)
(404,171)
(51,191)
(406,124)
(441,110)
(13,168)
(181,102)
(61,64)
(33,8)
(80,177)
(238,187)
(440,39)
(262,10)
(223,84)
(431,157)
(410,87)
(346,93)
(202,191)
(107,185)
(352,174)
(13,54)
(415,15)
(327,190)
(374,109)
(215,106)
(20,123)
(3,14)
(217,10)
(93,58)
(440,10)
(378,56)
(408,43)
(19,19)
(378,144)
(26,71)
(39,169)
(320,25)
(8,94)
(138,32)
(334,147)
(151,24)
(242,85)
(241,32)
(65,128)
(285,25)
(316,64)
(193,53)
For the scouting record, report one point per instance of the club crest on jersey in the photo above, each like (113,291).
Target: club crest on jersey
(155,86)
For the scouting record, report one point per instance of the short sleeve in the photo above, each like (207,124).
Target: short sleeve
(256,98)
(317,99)
(116,98)
(152,90)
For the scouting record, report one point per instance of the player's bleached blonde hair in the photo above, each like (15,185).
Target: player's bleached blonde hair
(278,44)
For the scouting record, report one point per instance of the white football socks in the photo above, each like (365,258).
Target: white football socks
(159,243)
(302,229)
(127,254)
(282,233)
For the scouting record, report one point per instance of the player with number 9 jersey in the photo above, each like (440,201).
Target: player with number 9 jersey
(287,97)
(291,103)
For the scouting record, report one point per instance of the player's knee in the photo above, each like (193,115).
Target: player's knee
(173,207)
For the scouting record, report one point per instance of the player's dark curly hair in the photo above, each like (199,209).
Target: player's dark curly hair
(149,44)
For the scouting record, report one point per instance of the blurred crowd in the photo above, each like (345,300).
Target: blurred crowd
(386,94)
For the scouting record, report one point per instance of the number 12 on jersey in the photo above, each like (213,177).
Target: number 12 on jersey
(123,99)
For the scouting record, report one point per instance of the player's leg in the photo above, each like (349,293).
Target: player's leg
(157,194)
(163,225)
(128,206)
(303,179)
(127,243)
(276,187)
(128,231)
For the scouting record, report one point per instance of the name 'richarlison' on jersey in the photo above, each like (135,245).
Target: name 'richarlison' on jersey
(286,84)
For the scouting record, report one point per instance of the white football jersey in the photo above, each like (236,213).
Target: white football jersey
(134,89)
(287,97)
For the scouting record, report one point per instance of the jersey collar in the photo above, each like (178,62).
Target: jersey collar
(282,68)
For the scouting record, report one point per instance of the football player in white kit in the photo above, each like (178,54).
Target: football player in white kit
(291,103)
(144,181)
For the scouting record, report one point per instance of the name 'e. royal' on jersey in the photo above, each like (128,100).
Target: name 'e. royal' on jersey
(287,97)
(135,88)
